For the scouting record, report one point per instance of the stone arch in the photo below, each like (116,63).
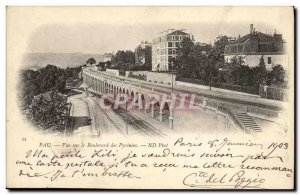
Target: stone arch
(132,94)
(155,108)
(136,95)
(147,101)
(165,112)
(101,86)
(143,99)
(106,88)
(117,90)
(111,88)
(136,100)
(114,91)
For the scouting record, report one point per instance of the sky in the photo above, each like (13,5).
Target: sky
(124,31)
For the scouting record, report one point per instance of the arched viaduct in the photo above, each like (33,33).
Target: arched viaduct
(161,108)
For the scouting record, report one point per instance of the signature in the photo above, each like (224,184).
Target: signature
(238,180)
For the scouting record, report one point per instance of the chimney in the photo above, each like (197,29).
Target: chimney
(251,28)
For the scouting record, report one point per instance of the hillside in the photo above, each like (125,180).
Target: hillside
(63,60)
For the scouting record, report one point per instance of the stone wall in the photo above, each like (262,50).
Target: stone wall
(136,73)
(253,60)
(155,77)
(113,72)
(196,86)
(161,78)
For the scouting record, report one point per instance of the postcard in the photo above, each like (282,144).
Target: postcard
(193,98)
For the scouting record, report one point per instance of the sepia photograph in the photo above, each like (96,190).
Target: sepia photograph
(195,98)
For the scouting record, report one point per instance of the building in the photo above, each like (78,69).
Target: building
(229,39)
(143,54)
(164,48)
(107,57)
(202,44)
(254,45)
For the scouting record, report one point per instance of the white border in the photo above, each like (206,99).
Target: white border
(5,3)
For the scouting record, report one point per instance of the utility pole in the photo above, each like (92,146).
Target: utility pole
(172,64)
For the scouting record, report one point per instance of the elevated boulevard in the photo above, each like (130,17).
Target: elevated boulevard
(227,101)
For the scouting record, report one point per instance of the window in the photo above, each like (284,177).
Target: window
(269,60)
(169,44)
(180,37)
(177,44)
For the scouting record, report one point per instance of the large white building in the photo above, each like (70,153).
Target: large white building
(255,45)
(164,48)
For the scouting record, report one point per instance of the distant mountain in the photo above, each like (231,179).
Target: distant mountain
(63,60)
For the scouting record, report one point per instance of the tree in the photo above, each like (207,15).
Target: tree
(148,57)
(262,64)
(219,47)
(233,71)
(51,112)
(184,64)
(139,56)
(60,84)
(91,61)
(260,73)
(185,47)
(43,80)
(211,69)
(277,76)
(246,76)
(122,60)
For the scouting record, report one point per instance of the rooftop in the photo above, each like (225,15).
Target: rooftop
(259,35)
(178,32)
